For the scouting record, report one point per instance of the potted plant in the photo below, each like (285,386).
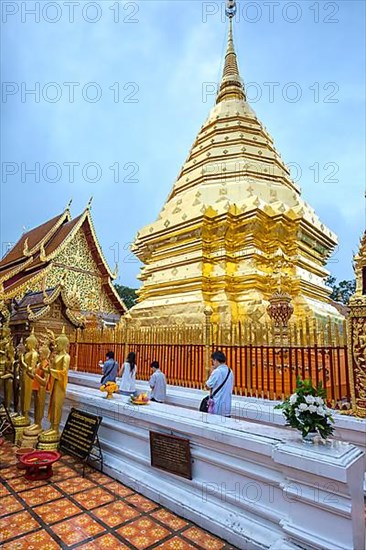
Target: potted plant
(306,410)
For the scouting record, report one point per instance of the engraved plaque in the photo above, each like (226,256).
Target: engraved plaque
(79,433)
(171,454)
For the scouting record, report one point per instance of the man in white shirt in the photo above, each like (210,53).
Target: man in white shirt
(221,379)
(157,384)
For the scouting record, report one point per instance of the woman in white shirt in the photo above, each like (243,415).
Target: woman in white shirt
(128,373)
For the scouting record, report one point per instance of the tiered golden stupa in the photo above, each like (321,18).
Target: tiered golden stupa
(234,229)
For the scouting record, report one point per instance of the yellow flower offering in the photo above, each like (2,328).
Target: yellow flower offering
(110,388)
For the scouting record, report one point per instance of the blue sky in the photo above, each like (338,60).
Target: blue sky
(149,61)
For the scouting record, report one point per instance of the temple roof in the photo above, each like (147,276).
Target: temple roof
(30,242)
(35,252)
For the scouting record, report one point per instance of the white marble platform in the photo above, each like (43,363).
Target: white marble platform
(348,428)
(255,485)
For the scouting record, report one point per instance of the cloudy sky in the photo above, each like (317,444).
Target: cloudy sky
(105,99)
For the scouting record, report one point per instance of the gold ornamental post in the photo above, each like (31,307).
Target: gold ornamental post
(208,312)
(356,334)
(127,317)
(76,360)
(356,331)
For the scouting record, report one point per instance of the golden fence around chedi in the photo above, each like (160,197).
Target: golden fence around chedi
(265,360)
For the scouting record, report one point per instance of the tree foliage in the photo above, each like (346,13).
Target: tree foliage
(127,294)
(342,291)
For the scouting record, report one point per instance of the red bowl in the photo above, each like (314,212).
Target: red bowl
(39,458)
(21,451)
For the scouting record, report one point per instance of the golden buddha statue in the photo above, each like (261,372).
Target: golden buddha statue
(7,361)
(58,381)
(3,348)
(19,351)
(39,385)
(28,364)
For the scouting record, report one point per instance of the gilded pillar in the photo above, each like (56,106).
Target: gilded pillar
(357,355)
(208,313)
(127,318)
(357,334)
(77,335)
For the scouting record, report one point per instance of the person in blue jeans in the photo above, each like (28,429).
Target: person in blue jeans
(223,376)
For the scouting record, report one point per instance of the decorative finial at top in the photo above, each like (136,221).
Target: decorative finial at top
(115,271)
(231,86)
(231,8)
(88,206)
(68,205)
(26,248)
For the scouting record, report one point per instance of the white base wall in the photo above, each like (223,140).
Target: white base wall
(348,428)
(254,485)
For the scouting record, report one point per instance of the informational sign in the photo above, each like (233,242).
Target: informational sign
(79,433)
(171,454)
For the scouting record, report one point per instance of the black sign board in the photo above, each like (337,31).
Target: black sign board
(171,454)
(79,433)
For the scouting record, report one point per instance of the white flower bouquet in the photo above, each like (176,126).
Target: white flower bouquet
(306,410)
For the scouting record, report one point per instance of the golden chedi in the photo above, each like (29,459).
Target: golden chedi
(233,225)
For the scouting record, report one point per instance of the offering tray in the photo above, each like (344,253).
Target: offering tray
(38,464)
(138,402)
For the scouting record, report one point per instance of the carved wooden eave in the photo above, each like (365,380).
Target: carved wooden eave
(43,307)
(36,315)
(70,300)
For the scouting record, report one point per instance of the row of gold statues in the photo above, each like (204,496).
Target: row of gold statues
(36,370)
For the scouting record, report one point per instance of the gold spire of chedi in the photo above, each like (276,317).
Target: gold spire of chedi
(234,228)
(231,85)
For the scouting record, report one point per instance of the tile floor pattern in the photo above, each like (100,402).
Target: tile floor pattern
(91,513)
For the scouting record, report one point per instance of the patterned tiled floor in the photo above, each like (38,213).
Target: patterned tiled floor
(89,513)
